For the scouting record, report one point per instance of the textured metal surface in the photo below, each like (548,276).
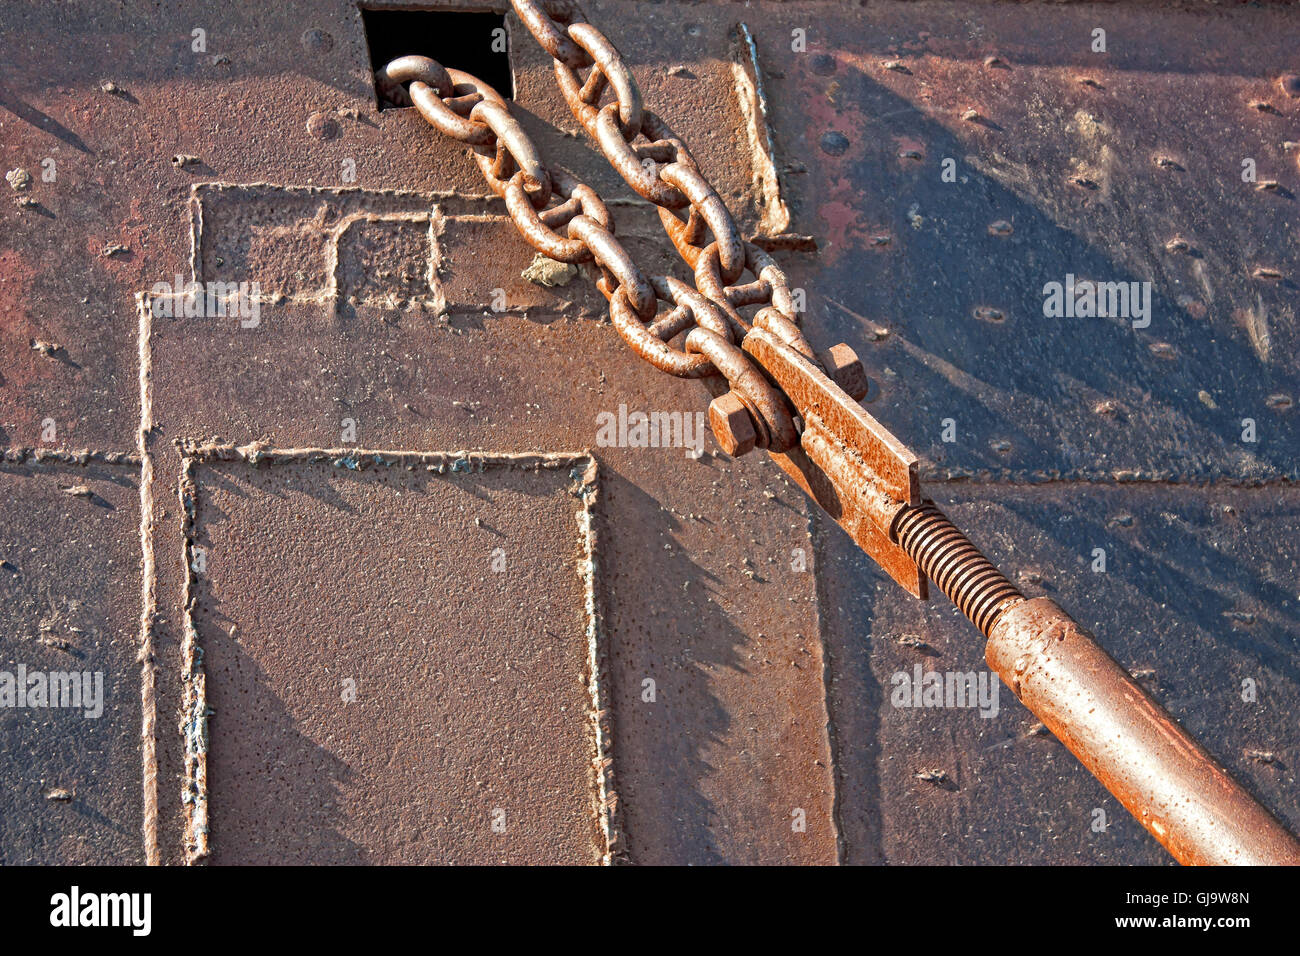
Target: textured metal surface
(698,581)
(412,729)
(70,599)
(1197,602)
(938,285)
(946,278)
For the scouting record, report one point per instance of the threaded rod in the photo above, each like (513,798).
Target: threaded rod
(947,558)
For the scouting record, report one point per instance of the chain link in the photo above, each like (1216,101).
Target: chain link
(567,220)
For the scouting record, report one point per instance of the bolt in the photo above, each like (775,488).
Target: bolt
(733,425)
(845,369)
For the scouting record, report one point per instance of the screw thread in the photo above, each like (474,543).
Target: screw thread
(948,558)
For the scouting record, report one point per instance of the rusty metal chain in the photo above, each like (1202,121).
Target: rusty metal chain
(656,164)
(566,220)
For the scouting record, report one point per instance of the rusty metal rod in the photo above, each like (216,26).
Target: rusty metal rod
(1168,781)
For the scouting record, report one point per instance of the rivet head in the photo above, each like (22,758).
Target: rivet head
(834,143)
(323,126)
(316,41)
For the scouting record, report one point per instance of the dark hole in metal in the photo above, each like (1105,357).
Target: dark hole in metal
(474,42)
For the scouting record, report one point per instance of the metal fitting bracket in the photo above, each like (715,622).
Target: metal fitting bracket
(846,460)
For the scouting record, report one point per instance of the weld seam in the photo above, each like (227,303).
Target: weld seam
(148,595)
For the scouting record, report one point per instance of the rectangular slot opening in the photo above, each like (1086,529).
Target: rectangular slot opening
(472,41)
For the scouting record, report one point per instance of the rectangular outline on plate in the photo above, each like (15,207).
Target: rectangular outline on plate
(195,708)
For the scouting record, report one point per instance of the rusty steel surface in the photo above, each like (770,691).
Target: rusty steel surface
(71,769)
(770,643)
(867,475)
(332,774)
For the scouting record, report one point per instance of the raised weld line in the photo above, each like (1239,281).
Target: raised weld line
(194,698)
(148,594)
(1105,479)
(608,810)
(27,455)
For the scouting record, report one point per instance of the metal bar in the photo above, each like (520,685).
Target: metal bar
(1168,781)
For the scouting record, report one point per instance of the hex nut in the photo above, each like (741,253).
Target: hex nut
(732,425)
(845,369)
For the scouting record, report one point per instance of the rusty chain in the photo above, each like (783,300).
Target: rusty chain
(658,166)
(567,220)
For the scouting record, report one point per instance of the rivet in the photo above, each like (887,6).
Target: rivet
(323,126)
(316,41)
(833,143)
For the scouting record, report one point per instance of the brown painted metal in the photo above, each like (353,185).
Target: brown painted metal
(661,763)
(1167,780)
(738,738)
(858,472)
